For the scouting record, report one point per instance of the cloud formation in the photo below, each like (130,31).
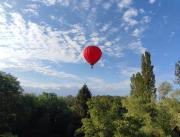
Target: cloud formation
(28,37)
(22,40)
(129,71)
(137,47)
(129,15)
(152,1)
(124,4)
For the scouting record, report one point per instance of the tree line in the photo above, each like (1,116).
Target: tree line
(147,112)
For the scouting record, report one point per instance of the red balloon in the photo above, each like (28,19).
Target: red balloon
(92,54)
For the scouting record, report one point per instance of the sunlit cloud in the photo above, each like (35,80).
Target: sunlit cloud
(137,47)
(31,10)
(124,4)
(30,41)
(99,84)
(50,85)
(129,15)
(152,1)
(53,2)
(129,71)
(137,32)
(30,35)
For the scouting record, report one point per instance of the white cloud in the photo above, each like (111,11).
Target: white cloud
(108,43)
(95,85)
(85,4)
(137,32)
(41,69)
(141,11)
(152,1)
(102,63)
(2,15)
(64,2)
(31,9)
(31,12)
(146,19)
(137,47)
(95,40)
(24,44)
(129,15)
(49,85)
(97,1)
(107,5)
(8,5)
(81,39)
(33,6)
(105,27)
(53,73)
(53,17)
(53,2)
(124,4)
(128,71)
(100,85)
(47,2)
(114,50)
(23,40)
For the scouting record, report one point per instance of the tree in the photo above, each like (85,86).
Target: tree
(148,76)
(176,132)
(8,135)
(27,115)
(149,84)
(163,119)
(54,116)
(170,106)
(129,126)
(164,89)
(10,93)
(103,111)
(141,104)
(83,96)
(143,89)
(137,86)
(143,84)
(177,72)
(176,94)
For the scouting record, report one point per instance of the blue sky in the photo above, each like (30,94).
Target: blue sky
(41,42)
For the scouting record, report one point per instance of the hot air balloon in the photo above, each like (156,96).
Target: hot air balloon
(92,54)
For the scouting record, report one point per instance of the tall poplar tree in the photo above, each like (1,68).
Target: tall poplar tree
(148,76)
(177,72)
(141,103)
(143,84)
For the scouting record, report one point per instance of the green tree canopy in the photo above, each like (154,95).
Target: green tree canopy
(83,96)
(10,91)
(104,111)
(176,94)
(164,89)
(148,75)
(177,72)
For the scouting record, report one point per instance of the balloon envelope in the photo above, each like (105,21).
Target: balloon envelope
(92,54)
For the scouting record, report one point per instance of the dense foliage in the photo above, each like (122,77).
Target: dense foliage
(141,114)
(177,72)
